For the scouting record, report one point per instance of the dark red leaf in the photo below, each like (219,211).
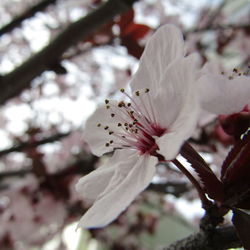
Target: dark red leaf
(236,165)
(235,174)
(241,221)
(126,19)
(133,47)
(135,31)
(236,124)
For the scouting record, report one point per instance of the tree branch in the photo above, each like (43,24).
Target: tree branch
(16,81)
(26,145)
(15,173)
(81,166)
(220,239)
(27,14)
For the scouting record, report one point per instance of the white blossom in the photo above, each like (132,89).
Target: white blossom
(224,92)
(148,125)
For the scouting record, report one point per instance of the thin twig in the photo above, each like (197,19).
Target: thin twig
(19,79)
(17,21)
(26,145)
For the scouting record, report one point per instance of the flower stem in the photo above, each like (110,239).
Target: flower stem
(204,200)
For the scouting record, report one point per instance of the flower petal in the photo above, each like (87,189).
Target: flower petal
(92,185)
(97,137)
(181,103)
(184,126)
(133,174)
(165,46)
(220,95)
(177,89)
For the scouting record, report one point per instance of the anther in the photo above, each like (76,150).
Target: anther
(137,93)
(107,144)
(129,104)
(122,90)
(111,132)
(121,104)
(235,70)
(106,128)
(119,124)
(106,101)
(112,115)
(99,125)
(107,107)
(146,90)
(111,141)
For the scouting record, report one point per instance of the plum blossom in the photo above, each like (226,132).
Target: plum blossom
(224,92)
(147,125)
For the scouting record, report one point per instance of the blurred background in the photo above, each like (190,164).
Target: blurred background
(53,78)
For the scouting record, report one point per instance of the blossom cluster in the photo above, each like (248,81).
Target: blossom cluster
(159,112)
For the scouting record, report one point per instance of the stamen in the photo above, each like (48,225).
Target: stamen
(136,122)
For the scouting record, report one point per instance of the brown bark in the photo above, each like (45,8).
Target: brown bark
(16,81)
(27,14)
(219,239)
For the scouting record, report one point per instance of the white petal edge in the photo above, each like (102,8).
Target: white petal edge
(92,185)
(133,175)
(165,45)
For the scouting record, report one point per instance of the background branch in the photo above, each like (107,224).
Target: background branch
(16,81)
(26,145)
(175,188)
(27,14)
